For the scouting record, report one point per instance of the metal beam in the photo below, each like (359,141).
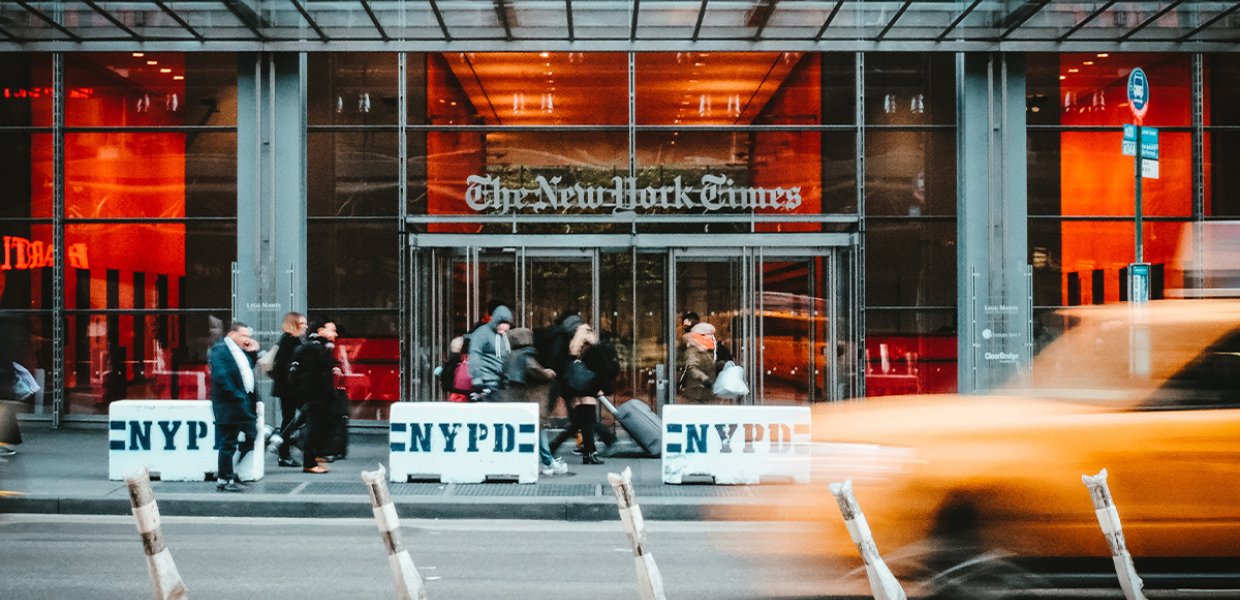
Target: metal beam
(959,19)
(701,15)
(112,19)
(568,12)
(4,32)
(1090,17)
(1212,21)
(1014,19)
(637,5)
(831,17)
(374,19)
(439,17)
(501,11)
(763,12)
(172,14)
(249,20)
(892,22)
(306,15)
(50,21)
(1158,15)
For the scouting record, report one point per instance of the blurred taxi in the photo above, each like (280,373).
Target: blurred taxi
(1150,393)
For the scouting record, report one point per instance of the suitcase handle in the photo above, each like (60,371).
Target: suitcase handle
(607,404)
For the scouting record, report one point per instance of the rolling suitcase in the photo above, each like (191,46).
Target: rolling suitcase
(641,423)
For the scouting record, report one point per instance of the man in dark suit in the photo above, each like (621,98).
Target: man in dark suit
(233,400)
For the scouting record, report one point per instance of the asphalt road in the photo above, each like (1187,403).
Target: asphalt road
(101,558)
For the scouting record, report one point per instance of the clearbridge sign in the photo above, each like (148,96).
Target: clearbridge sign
(712,193)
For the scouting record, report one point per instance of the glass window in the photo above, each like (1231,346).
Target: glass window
(910,173)
(111,265)
(368,349)
(727,88)
(351,88)
(1091,89)
(352,173)
(150,88)
(353,264)
(910,262)
(26,169)
(26,340)
(910,89)
(909,352)
(1096,179)
(26,265)
(528,88)
(26,90)
(1222,89)
(149,175)
(1222,173)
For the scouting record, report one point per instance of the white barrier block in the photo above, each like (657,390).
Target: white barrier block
(174,438)
(736,444)
(464,443)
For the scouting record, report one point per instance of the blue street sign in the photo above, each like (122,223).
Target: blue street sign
(1138,92)
(1149,142)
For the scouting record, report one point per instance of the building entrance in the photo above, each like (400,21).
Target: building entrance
(783,306)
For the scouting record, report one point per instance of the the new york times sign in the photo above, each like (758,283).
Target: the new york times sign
(713,193)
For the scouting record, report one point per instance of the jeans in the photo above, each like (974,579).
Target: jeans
(544,450)
(226,438)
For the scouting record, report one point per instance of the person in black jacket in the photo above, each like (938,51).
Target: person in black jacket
(233,401)
(312,374)
(294,328)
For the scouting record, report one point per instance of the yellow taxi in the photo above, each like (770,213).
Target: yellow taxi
(1151,393)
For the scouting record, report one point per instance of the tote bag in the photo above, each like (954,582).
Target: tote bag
(579,379)
(730,383)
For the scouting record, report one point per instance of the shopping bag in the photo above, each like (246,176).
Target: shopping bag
(268,359)
(730,382)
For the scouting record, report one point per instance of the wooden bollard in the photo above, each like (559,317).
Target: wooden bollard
(649,580)
(166,582)
(1108,518)
(408,581)
(882,583)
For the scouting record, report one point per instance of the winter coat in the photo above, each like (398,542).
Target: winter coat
(528,379)
(487,350)
(279,366)
(312,377)
(698,378)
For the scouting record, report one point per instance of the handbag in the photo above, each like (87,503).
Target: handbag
(579,379)
(268,359)
(730,383)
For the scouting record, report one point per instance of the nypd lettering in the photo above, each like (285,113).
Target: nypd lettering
(175,439)
(736,444)
(464,443)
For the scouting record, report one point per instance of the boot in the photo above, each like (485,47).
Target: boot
(591,458)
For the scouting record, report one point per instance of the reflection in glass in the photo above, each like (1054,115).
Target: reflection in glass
(1222,172)
(910,173)
(26,265)
(26,340)
(793,325)
(352,173)
(26,90)
(26,169)
(351,88)
(907,89)
(910,352)
(910,262)
(368,352)
(726,88)
(150,88)
(355,264)
(1092,89)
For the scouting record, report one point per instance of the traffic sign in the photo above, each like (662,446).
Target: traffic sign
(1138,93)
(1149,142)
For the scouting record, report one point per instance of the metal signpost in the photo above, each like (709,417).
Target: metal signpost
(1142,144)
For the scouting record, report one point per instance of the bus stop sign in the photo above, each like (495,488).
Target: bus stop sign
(1138,93)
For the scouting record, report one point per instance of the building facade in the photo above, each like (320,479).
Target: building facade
(863,198)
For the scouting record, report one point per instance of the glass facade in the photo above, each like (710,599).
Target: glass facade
(631,187)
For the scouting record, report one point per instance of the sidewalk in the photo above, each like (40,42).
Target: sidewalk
(65,471)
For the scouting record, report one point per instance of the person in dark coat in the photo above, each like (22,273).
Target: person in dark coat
(314,372)
(697,379)
(529,381)
(233,401)
(294,328)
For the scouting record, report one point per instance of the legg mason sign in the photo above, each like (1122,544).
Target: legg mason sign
(712,193)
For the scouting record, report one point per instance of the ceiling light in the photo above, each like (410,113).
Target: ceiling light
(165,70)
(1088,63)
(139,54)
(1074,70)
(178,77)
(544,54)
(152,62)
(1063,77)
(1103,55)
(699,64)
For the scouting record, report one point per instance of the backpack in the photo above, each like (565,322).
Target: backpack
(460,377)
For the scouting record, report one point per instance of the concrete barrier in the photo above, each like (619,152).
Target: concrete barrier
(166,583)
(173,439)
(649,580)
(408,580)
(464,443)
(736,444)
(882,583)
(1108,519)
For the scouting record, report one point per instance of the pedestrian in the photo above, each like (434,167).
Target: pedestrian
(294,327)
(453,374)
(488,347)
(697,378)
(555,355)
(312,374)
(581,382)
(233,401)
(529,381)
